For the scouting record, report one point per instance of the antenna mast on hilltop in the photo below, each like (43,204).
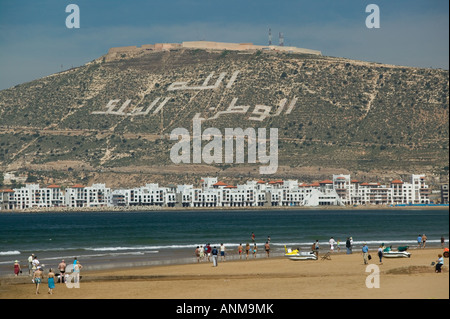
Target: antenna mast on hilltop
(270,36)
(281,39)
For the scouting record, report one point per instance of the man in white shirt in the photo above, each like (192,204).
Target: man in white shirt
(30,264)
(35,263)
(222,252)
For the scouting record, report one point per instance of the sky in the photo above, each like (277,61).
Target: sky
(35,41)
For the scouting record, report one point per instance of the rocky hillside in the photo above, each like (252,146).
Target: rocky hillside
(111,121)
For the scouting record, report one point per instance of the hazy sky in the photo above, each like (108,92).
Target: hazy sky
(35,42)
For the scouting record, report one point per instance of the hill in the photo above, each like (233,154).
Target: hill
(110,120)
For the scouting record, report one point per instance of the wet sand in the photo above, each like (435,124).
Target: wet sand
(342,277)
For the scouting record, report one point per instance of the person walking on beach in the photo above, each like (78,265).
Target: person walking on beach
(205,251)
(240,249)
(424,240)
(316,247)
(222,252)
(38,275)
(267,249)
(332,242)
(419,241)
(208,252)
(16,268)
(215,256)
(380,253)
(338,245)
(365,251)
(51,281)
(255,250)
(442,241)
(62,269)
(247,250)
(30,264)
(202,253)
(35,263)
(348,245)
(197,253)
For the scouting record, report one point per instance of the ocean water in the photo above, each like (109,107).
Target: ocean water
(102,240)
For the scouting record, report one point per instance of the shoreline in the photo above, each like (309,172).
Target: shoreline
(186,257)
(341,277)
(241,208)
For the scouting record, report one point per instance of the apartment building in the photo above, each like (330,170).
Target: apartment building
(353,192)
(148,195)
(97,195)
(32,195)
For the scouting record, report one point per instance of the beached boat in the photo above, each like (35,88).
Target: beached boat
(401,252)
(302,256)
(396,254)
(298,255)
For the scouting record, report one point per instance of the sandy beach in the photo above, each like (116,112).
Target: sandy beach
(342,277)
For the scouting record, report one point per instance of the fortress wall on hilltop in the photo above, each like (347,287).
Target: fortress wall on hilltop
(130,51)
(119,52)
(244,46)
(220,46)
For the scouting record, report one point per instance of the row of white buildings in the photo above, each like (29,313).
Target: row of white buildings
(340,191)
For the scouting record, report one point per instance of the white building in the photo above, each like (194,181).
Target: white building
(31,195)
(148,195)
(396,192)
(291,193)
(97,195)
(421,191)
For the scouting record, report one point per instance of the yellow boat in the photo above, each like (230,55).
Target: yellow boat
(297,255)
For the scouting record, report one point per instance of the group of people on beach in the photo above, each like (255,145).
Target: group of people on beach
(334,246)
(207,252)
(36,271)
(422,241)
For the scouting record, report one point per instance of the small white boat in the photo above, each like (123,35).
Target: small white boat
(303,256)
(396,254)
(296,255)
